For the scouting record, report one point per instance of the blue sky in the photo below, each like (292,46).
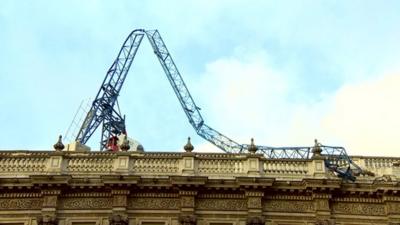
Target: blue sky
(282,72)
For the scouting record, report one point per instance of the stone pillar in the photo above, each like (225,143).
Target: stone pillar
(120,201)
(55,164)
(187,202)
(318,164)
(121,163)
(253,165)
(392,209)
(254,205)
(49,207)
(253,161)
(188,164)
(322,209)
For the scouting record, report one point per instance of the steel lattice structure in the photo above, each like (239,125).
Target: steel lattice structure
(103,111)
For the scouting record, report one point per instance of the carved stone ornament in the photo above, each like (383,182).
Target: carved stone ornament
(46,220)
(187,220)
(255,220)
(252,148)
(118,219)
(59,146)
(188,147)
(316,150)
(125,144)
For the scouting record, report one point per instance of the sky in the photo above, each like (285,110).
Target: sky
(281,72)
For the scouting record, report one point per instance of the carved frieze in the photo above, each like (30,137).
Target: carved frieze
(359,208)
(23,203)
(221,204)
(289,206)
(154,203)
(86,203)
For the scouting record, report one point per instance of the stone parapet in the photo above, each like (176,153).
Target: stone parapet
(156,188)
(26,163)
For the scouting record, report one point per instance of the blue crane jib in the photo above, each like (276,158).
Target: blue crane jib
(103,111)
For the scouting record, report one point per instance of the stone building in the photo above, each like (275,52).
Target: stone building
(190,188)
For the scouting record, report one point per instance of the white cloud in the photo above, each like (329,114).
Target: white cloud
(246,97)
(365,116)
(243,96)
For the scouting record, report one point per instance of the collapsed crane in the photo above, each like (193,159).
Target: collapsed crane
(104,111)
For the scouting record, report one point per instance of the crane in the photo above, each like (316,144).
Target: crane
(104,110)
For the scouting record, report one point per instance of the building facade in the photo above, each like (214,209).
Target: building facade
(188,188)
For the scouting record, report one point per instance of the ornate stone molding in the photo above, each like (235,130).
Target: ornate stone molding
(289,197)
(357,199)
(86,194)
(221,195)
(184,192)
(20,195)
(254,194)
(154,195)
(120,192)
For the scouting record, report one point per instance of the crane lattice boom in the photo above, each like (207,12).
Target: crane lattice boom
(103,111)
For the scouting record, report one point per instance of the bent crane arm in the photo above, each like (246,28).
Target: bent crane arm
(102,110)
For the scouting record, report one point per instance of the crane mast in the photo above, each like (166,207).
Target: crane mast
(103,111)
